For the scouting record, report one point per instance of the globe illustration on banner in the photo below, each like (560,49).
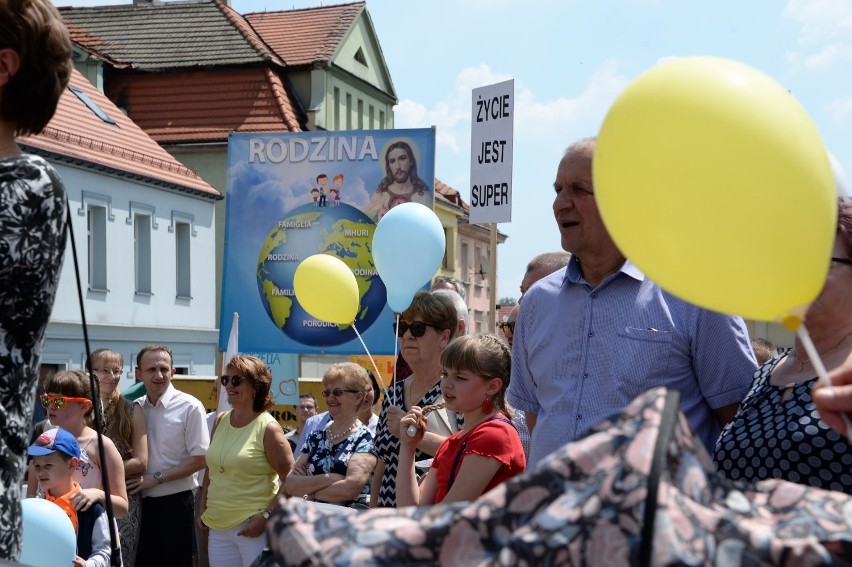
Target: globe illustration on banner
(341,231)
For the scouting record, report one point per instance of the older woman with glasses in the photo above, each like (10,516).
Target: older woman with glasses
(248,455)
(777,432)
(122,421)
(336,462)
(424,331)
(69,404)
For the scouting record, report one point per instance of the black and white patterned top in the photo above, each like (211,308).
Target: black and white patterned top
(32,245)
(771,438)
(387,445)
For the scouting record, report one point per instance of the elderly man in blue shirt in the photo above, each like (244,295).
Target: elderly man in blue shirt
(596,334)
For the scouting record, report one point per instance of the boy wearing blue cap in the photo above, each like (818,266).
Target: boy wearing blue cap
(55,454)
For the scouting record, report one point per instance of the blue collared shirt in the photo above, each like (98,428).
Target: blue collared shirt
(581,354)
(313,423)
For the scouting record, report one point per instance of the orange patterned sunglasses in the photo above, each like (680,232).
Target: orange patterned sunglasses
(59,402)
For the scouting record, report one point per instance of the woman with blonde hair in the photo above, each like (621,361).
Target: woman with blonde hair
(336,462)
(123,422)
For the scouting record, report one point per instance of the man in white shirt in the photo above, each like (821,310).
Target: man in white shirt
(177,442)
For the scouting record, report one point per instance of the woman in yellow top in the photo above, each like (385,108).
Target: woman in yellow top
(248,454)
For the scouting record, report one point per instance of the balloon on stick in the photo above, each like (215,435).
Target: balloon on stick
(49,537)
(327,289)
(408,247)
(702,165)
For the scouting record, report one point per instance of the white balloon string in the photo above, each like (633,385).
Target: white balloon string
(395,354)
(373,362)
(818,365)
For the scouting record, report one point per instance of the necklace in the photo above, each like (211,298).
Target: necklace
(224,452)
(343,434)
(801,362)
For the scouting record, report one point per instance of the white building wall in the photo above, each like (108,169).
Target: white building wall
(119,317)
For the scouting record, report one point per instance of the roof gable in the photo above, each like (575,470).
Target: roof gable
(171,35)
(341,35)
(76,133)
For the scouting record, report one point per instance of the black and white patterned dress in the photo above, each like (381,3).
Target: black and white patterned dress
(387,445)
(32,245)
(771,438)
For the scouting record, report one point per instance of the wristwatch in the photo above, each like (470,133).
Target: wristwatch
(159,477)
(265,514)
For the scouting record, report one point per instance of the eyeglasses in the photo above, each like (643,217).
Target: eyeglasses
(59,402)
(234,380)
(307,408)
(507,327)
(417,328)
(115,371)
(842,261)
(337,392)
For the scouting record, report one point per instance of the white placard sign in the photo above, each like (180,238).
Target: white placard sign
(492,120)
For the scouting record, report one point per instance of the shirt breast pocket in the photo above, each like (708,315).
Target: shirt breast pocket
(641,360)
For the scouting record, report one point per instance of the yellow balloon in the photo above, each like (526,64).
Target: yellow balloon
(326,288)
(713,180)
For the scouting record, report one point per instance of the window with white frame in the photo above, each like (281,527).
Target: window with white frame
(142,252)
(96,218)
(183,281)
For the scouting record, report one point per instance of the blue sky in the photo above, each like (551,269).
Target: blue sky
(569,60)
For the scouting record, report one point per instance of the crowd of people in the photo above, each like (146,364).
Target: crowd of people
(467,412)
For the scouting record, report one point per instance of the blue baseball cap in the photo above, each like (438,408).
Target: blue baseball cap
(54,440)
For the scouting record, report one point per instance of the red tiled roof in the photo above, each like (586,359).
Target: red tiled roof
(205,105)
(169,35)
(450,195)
(76,133)
(306,36)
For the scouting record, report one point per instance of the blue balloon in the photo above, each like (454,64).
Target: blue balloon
(49,537)
(408,247)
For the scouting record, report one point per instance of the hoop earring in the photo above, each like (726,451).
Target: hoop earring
(487,406)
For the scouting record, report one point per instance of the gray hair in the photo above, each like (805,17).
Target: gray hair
(460,305)
(551,260)
(455,283)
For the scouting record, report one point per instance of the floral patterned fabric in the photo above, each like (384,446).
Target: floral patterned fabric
(585,505)
(323,457)
(32,245)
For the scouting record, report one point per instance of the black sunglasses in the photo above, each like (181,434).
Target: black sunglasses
(842,261)
(337,392)
(417,328)
(235,380)
(507,327)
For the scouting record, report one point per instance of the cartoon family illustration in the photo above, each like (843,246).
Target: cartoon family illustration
(322,195)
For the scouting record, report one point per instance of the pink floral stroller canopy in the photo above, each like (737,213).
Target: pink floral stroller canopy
(640,489)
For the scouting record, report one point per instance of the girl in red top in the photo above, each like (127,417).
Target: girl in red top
(488,451)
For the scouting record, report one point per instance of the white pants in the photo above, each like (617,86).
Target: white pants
(226,549)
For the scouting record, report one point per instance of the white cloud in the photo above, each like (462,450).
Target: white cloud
(825,37)
(534,117)
(840,109)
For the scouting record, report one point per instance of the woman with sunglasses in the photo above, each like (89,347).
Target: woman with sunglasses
(124,424)
(336,462)
(425,329)
(777,431)
(68,402)
(476,372)
(248,455)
